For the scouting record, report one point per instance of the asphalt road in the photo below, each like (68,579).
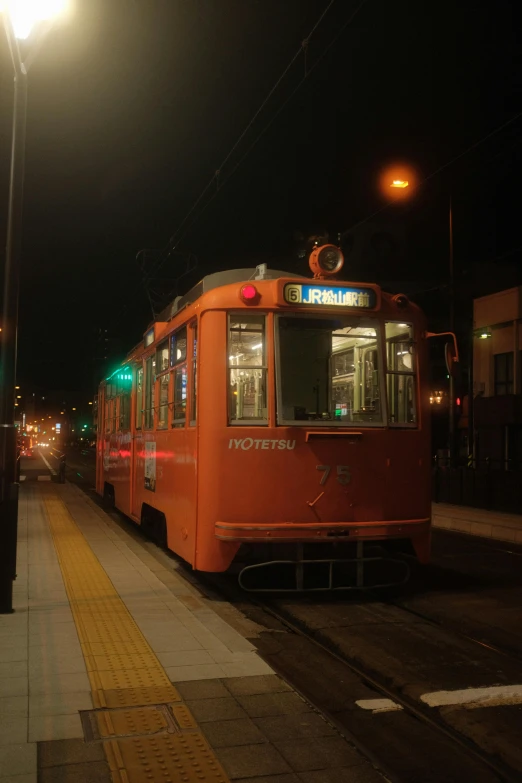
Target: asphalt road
(456,625)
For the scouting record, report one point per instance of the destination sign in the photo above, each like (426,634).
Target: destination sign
(337,296)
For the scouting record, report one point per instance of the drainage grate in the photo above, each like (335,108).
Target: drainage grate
(104,724)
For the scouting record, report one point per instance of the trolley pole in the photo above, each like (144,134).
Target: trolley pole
(9,485)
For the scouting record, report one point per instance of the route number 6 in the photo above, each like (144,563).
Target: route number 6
(343,474)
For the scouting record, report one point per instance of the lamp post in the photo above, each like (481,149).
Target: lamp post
(19,17)
(400,183)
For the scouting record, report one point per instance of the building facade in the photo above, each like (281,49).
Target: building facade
(497,376)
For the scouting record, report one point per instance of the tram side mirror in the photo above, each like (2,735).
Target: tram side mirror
(452,361)
(451,352)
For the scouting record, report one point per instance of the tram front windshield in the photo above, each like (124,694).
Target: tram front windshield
(329,370)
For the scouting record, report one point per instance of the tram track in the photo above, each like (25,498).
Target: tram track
(511,653)
(397,769)
(407,704)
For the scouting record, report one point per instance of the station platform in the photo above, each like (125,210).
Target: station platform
(478,522)
(114,667)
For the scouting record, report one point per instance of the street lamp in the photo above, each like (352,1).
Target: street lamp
(399,179)
(25,14)
(20,18)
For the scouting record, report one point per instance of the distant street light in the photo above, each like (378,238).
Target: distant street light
(399,183)
(20,17)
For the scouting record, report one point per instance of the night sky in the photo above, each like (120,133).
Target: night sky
(134,105)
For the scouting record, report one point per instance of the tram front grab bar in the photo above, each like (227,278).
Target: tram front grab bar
(299,575)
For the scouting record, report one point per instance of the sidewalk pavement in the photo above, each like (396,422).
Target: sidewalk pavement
(478,522)
(113,668)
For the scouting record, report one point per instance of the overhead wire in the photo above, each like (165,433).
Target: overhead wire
(308,71)
(176,238)
(169,249)
(249,125)
(440,169)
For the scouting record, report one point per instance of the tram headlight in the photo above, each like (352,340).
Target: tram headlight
(326,260)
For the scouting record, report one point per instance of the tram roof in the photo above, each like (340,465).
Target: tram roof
(216,280)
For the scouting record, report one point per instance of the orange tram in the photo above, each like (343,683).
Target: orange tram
(277,425)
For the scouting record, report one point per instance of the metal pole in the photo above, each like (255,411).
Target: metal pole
(451,433)
(8,443)
(471,402)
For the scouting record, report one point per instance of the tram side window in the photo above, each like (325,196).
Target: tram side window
(162,364)
(247,369)
(110,408)
(163,401)
(178,360)
(193,397)
(178,346)
(107,414)
(401,371)
(125,403)
(150,365)
(122,391)
(162,357)
(139,397)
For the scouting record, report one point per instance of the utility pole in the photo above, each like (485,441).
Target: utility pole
(9,485)
(451,433)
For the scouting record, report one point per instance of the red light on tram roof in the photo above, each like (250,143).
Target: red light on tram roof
(249,294)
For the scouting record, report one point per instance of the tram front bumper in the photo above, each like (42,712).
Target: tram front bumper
(323,531)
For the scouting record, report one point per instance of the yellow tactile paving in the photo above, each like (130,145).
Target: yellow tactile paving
(171,758)
(114,661)
(126,677)
(119,723)
(134,697)
(183,716)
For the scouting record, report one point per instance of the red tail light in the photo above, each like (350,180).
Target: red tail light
(249,294)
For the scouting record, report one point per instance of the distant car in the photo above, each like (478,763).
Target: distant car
(26,452)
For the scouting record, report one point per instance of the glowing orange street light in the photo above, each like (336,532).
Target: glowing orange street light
(397,181)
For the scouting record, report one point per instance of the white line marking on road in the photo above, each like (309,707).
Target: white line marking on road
(44,478)
(22,478)
(378,705)
(53,472)
(471,698)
